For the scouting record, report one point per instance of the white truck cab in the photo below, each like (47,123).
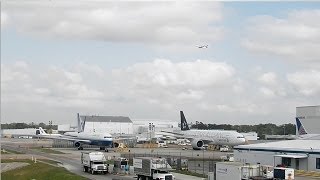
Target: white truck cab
(94,162)
(152,168)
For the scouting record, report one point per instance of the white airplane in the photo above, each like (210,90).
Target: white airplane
(302,132)
(200,138)
(41,133)
(103,140)
(203,46)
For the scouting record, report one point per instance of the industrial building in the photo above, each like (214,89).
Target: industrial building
(297,154)
(142,126)
(310,118)
(250,136)
(110,124)
(18,133)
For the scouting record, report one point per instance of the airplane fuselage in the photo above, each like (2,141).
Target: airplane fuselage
(95,139)
(217,137)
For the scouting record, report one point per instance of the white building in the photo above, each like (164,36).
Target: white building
(18,132)
(310,118)
(250,136)
(62,128)
(109,124)
(142,126)
(297,154)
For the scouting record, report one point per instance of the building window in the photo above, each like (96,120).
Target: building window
(317,163)
(286,162)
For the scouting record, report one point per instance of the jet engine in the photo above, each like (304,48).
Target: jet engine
(115,144)
(77,144)
(197,144)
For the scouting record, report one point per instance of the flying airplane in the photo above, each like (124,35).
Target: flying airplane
(302,132)
(103,140)
(203,46)
(199,138)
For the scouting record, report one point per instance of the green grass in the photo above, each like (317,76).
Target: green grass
(190,173)
(49,161)
(15,160)
(6,151)
(39,171)
(47,150)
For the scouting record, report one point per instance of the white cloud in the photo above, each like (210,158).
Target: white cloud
(306,82)
(140,22)
(269,78)
(191,95)
(157,89)
(294,38)
(4,19)
(164,73)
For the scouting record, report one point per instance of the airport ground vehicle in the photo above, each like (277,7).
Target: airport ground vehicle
(224,149)
(152,168)
(94,162)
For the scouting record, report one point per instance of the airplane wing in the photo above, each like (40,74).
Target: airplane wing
(66,138)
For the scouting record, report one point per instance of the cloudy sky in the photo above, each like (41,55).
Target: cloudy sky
(139,59)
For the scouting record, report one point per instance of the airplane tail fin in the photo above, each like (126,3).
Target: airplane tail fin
(42,132)
(184,124)
(79,122)
(300,128)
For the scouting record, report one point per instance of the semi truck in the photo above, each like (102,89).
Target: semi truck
(94,162)
(147,168)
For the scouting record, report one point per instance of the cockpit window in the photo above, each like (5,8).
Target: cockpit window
(240,137)
(107,137)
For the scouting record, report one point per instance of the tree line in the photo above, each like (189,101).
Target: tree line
(30,125)
(261,129)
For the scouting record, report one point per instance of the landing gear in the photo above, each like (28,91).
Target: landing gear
(80,148)
(102,148)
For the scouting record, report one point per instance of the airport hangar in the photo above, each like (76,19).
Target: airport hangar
(309,116)
(301,154)
(297,154)
(116,125)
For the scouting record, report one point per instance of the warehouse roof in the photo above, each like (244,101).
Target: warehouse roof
(120,119)
(305,146)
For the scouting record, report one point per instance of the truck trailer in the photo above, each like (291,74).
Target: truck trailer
(93,162)
(147,168)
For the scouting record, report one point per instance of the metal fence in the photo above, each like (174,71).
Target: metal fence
(194,164)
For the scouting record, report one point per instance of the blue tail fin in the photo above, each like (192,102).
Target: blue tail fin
(300,128)
(184,124)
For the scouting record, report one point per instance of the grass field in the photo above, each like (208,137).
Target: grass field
(38,171)
(49,161)
(6,151)
(47,150)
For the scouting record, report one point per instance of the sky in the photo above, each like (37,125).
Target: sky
(140,59)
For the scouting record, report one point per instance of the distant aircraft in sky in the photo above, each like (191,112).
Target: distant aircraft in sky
(203,46)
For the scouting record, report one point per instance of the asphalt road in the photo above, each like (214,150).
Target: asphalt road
(71,160)
(73,165)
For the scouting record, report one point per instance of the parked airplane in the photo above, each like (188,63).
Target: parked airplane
(41,133)
(203,46)
(302,132)
(199,138)
(103,140)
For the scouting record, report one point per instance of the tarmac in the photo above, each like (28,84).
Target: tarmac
(71,159)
